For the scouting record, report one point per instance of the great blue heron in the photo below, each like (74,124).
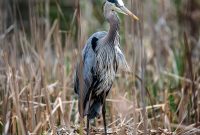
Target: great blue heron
(101,58)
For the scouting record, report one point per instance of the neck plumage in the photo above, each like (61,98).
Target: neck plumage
(114,28)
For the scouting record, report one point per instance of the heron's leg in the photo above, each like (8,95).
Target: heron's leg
(88,126)
(104,115)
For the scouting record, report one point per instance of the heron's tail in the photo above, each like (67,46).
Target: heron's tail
(95,109)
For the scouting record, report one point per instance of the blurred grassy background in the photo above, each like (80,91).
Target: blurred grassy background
(41,41)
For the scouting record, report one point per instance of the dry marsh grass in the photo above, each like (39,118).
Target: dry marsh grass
(38,57)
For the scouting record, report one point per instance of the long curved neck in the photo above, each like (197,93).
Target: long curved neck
(114,28)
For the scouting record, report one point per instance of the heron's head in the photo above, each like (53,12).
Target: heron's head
(112,6)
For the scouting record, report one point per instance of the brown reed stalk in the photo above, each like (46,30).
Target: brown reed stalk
(143,64)
(191,76)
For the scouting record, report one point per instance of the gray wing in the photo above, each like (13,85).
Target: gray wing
(88,59)
(121,60)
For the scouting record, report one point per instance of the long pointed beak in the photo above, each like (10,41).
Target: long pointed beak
(125,11)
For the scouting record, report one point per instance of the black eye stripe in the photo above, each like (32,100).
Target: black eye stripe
(114,2)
